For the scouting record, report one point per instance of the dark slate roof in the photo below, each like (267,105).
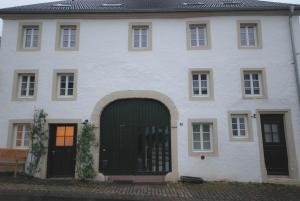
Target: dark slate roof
(100,6)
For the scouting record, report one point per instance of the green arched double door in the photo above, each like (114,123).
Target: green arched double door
(135,138)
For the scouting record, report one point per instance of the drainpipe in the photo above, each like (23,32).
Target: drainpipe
(295,62)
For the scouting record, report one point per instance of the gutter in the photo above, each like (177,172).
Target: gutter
(295,62)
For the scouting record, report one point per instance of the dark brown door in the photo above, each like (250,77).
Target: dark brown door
(62,150)
(274,144)
(135,138)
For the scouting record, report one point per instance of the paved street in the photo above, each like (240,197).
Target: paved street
(23,189)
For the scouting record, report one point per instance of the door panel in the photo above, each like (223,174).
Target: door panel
(274,144)
(135,138)
(62,150)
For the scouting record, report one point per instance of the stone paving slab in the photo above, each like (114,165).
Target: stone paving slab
(212,191)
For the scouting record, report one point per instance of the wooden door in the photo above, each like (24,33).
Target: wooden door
(135,138)
(62,150)
(274,144)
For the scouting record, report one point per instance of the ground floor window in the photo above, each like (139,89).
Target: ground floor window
(22,135)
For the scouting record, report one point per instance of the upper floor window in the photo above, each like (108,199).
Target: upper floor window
(201,84)
(253,83)
(29,36)
(67,37)
(140,36)
(249,34)
(25,85)
(198,35)
(65,85)
(21,135)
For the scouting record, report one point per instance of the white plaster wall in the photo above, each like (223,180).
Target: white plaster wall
(105,65)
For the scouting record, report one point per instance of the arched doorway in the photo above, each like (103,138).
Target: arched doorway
(135,138)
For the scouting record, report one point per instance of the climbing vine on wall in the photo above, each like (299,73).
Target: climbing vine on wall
(38,138)
(85,161)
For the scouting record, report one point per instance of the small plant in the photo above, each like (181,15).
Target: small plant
(85,161)
(38,137)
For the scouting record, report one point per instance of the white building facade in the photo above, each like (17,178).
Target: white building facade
(227,81)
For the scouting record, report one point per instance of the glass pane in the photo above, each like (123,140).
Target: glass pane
(203,76)
(234,132)
(276,137)
(256,91)
(59,141)
(274,127)
(206,136)
(234,120)
(196,136)
(242,126)
(196,83)
(196,91)
(206,145)
(247,91)
(196,127)
(70,92)
(242,120)
(255,76)
(204,83)
(205,128)
(60,131)
(234,126)
(243,132)
(69,141)
(204,91)
(70,131)
(62,92)
(246,76)
(195,77)
(196,145)
(267,127)
(268,137)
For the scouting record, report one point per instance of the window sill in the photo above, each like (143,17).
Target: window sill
(64,98)
(199,48)
(202,153)
(28,49)
(139,49)
(67,49)
(241,139)
(201,98)
(255,97)
(24,99)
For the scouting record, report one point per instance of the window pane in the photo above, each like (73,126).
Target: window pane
(242,132)
(206,145)
(60,131)
(70,92)
(234,132)
(206,128)
(196,137)
(69,141)
(196,127)
(196,145)
(60,141)
(206,136)
(195,77)
(267,127)
(196,91)
(203,76)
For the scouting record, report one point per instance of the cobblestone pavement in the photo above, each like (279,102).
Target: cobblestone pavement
(70,190)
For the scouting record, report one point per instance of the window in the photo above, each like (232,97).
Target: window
(67,36)
(249,34)
(21,135)
(201,84)
(25,85)
(64,85)
(253,83)
(140,36)
(240,125)
(198,35)
(29,36)
(64,136)
(203,137)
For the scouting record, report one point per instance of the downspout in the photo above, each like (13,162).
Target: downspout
(295,62)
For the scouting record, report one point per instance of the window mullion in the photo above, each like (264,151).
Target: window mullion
(251,84)
(23,135)
(69,37)
(32,37)
(200,84)
(67,85)
(27,85)
(201,137)
(140,37)
(247,35)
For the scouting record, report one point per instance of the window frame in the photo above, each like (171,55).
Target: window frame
(131,39)
(11,132)
(263,82)
(210,84)
(23,135)
(257,23)
(188,35)
(16,85)
(21,34)
(56,81)
(248,118)
(58,42)
(214,137)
